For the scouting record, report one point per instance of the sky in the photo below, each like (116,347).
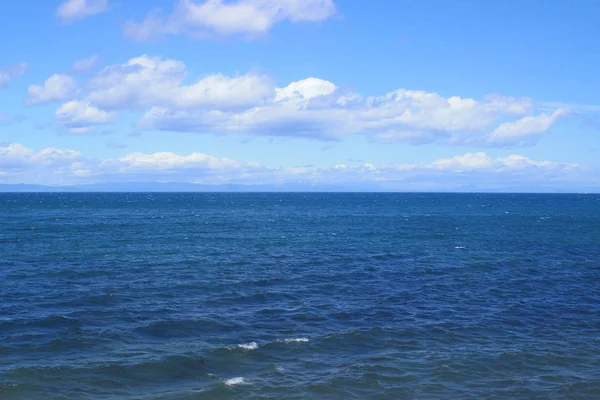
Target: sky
(387,95)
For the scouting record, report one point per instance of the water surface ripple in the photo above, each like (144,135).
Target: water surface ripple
(299,296)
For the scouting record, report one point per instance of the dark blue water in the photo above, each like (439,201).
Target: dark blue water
(299,296)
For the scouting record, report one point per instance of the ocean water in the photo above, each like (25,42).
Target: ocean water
(299,296)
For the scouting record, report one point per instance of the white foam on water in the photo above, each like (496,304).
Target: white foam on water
(236,381)
(248,346)
(295,340)
(279,368)
(460,247)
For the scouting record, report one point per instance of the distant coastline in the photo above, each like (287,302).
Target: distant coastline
(172,187)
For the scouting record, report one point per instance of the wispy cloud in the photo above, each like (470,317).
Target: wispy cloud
(577,108)
(21,164)
(73,10)
(115,145)
(8,74)
(84,65)
(246,18)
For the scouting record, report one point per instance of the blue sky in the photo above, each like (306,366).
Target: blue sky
(404,95)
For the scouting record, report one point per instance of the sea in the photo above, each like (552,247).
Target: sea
(299,296)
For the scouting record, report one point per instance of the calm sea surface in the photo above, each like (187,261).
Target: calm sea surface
(299,296)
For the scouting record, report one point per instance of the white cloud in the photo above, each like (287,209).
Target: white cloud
(466,162)
(57,87)
(525,128)
(317,108)
(81,130)
(148,81)
(81,117)
(481,161)
(84,65)
(251,104)
(304,90)
(167,161)
(7,74)
(247,18)
(16,157)
(21,164)
(576,108)
(72,10)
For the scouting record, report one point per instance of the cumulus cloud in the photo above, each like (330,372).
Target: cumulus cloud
(57,87)
(148,81)
(21,164)
(81,117)
(16,158)
(84,65)
(8,74)
(246,18)
(72,10)
(481,161)
(466,162)
(317,108)
(525,128)
(252,104)
(171,163)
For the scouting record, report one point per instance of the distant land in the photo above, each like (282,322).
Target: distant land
(195,187)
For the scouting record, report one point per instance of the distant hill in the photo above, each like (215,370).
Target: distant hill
(184,187)
(288,187)
(22,187)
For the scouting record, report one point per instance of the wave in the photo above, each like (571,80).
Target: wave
(245,346)
(295,340)
(236,381)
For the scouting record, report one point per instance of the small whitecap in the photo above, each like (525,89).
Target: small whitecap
(295,340)
(460,247)
(279,368)
(236,381)
(248,346)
